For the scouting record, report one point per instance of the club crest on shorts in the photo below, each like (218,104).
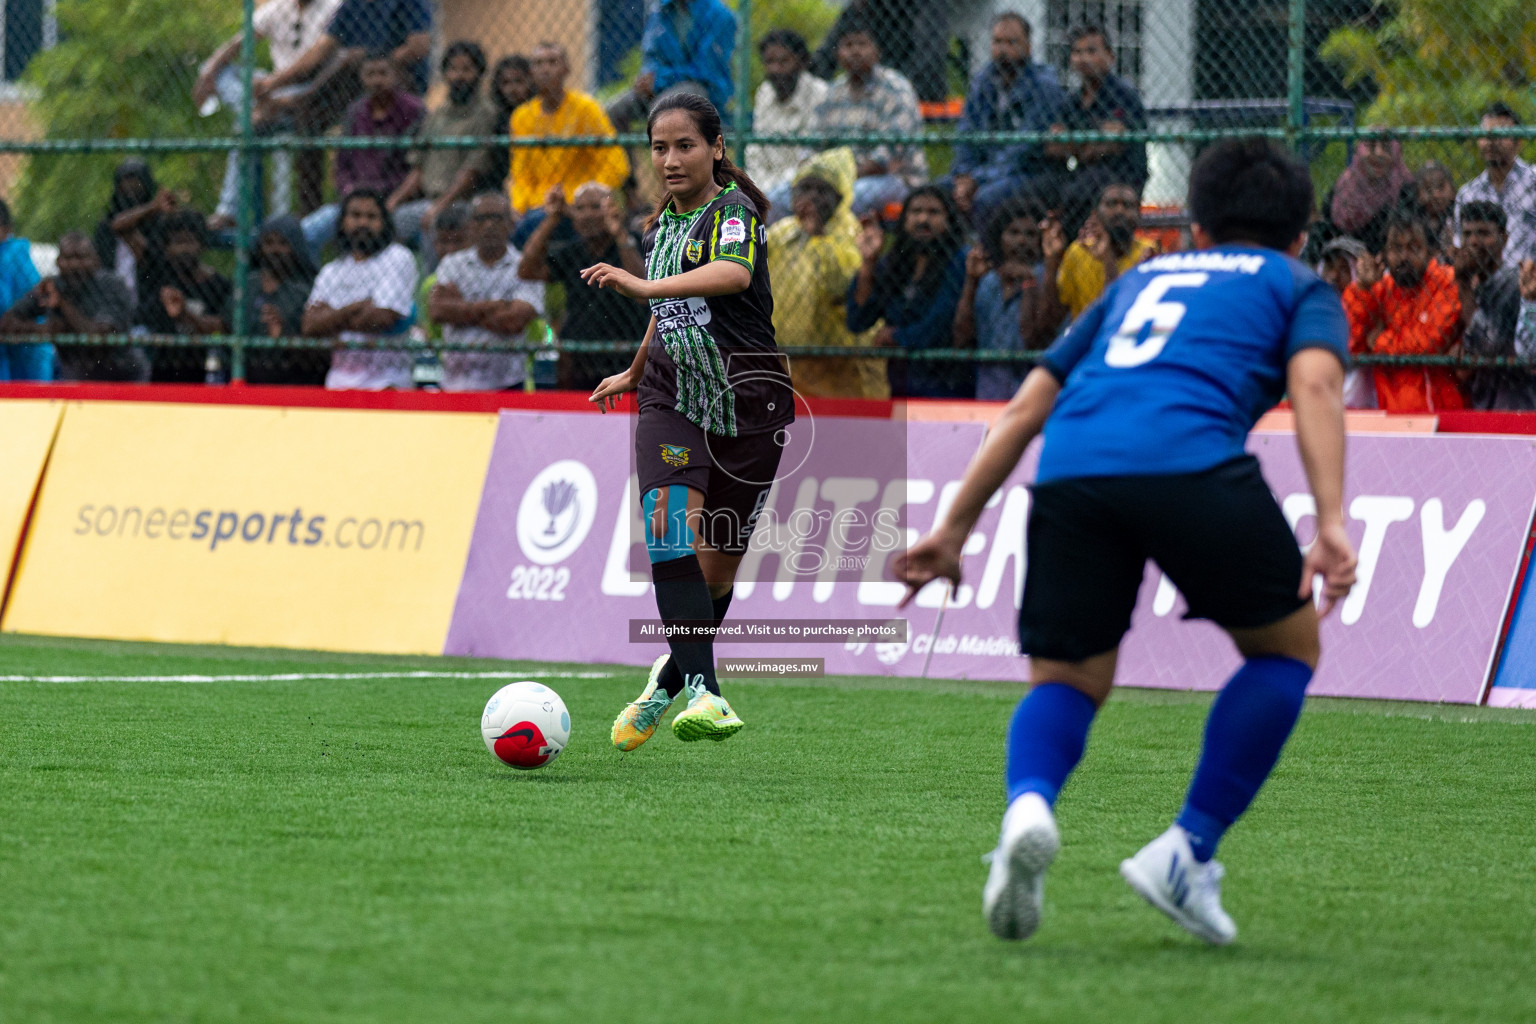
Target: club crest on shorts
(693,252)
(674,455)
(732,231)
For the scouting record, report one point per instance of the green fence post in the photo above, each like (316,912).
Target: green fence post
(743,79)
(1295,78)
(247,158)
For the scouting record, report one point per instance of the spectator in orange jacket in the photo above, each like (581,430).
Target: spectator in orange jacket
(1414,310)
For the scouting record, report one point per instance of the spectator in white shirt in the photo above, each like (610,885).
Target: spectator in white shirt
(480,300)
(1508,182)
(366,295)
(785,105)
(869,98)
(290,27)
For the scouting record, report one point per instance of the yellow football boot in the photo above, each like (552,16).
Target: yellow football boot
(637,722)
(708,717)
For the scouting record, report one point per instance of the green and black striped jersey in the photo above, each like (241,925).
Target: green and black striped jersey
(715,360)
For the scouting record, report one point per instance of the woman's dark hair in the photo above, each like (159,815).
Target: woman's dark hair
(788,38)
(464,48)
(1015,209)
(903,254)
(1250,190)
(373,195)
(707,120)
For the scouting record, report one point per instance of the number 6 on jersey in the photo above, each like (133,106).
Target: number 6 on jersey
(1149,314)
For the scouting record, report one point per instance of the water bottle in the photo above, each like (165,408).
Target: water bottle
(545,371)
(426,367)
(213,368)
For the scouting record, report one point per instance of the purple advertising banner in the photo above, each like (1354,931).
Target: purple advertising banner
(557,566)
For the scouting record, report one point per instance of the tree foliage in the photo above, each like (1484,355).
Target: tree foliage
(1440,62)
(123,69)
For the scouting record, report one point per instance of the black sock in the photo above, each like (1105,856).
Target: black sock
(671,680)
(682,596)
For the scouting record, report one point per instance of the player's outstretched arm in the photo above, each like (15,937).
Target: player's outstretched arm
(1315,383)
(717,277)
(606,394)
(938,554)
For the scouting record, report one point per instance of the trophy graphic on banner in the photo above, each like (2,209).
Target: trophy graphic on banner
(558,495)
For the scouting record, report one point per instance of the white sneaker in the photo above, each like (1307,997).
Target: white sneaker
(1167,876)
(1015,885)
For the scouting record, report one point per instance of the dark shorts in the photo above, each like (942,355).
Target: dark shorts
(1218,534)
(733,473)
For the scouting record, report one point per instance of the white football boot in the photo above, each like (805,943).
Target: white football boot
(1167,876)
(1015,886)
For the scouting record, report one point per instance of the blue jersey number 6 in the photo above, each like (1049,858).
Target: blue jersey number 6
(1150,321)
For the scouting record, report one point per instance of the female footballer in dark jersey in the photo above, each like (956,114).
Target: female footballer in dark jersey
(714,403)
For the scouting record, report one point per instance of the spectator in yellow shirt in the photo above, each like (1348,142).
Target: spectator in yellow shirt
(1077,274)
(813,256)
(557,111)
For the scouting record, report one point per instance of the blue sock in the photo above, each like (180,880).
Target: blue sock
(1249,724)
(1046,739)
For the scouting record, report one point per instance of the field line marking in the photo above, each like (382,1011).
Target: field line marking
(301,677)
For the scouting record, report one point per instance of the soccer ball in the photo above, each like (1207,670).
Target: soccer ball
(526,725)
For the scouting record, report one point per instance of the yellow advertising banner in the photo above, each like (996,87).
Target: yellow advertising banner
(330,529)
(27,428)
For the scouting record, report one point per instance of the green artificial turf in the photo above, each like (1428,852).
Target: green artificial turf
(328,851)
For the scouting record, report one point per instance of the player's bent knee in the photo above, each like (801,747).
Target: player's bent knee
(674,538)
(1294,636)
(1094,676)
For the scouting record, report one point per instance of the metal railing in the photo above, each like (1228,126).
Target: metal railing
(1296,121)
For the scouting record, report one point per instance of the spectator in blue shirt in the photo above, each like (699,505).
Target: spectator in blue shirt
(1010,94)
(999,296)
(914,288)
(686,47)
(21,360)
(1106,103)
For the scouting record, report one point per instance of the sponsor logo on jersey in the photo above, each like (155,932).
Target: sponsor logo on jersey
(733,231)
(693,252)
(680,314)
(674,455)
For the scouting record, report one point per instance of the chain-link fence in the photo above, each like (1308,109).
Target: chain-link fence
(178,169)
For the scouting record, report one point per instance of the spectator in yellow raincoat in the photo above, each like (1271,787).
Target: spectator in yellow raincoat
(813,256)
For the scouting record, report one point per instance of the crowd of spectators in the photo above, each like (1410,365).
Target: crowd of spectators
(476,249)
(1427,269)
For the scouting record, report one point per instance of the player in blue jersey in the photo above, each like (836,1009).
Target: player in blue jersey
(1146,403)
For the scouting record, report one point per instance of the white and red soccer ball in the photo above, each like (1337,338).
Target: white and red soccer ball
(526,725)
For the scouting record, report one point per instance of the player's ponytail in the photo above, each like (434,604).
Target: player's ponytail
(726,172)
(707,120)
